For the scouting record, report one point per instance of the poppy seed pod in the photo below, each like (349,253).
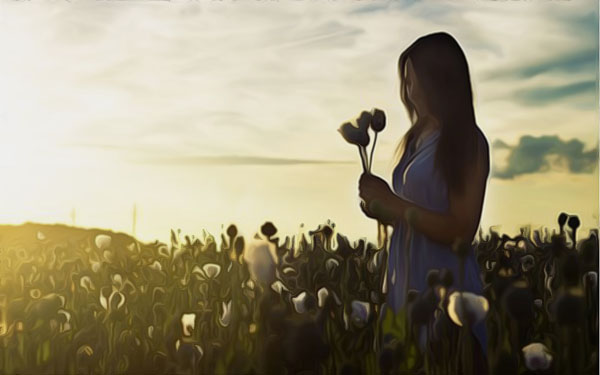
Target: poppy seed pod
(268,229)
(573,222)
(378,120)
(537,357)
(232,231)
(562,219)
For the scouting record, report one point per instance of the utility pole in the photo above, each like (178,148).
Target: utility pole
(134,219)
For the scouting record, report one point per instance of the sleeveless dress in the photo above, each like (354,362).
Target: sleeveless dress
(415,179)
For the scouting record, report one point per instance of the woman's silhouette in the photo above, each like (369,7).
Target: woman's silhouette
(441,173)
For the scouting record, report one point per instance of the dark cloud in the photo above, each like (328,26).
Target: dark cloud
(532,155)
(234,160)
(546,95)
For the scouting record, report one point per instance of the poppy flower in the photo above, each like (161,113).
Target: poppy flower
(188,322)
(225,317)
(537,357)
(361,312)
(475,308)
(102,241)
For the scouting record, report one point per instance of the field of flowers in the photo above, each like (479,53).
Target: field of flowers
(95,302)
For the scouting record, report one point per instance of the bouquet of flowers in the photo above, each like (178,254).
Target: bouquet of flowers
(356,133)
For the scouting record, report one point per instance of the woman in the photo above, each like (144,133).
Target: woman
(441,175)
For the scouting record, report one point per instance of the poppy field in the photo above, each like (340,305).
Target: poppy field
(75,301)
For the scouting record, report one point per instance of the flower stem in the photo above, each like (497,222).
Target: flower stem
(362,157)
(372,150)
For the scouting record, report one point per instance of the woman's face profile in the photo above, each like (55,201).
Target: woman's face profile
(412,87)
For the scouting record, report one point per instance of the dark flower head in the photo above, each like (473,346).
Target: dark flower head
(364,120)
(378,121)
(573,222)
(232,231)
(268,229)
(562,219)
(354,135)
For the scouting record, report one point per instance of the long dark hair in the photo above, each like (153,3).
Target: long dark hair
(443,76)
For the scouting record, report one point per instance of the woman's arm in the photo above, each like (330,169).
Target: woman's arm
(464,213)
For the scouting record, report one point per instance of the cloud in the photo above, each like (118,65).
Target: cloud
(538,96)
(577,61)
(499,144)
(542,154)
(235,160)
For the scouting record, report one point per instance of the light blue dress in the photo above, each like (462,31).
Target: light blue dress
(416,180)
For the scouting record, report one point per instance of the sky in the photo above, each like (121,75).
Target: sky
(207,113)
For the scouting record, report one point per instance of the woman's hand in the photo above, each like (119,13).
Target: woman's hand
(371,187)
(378,199)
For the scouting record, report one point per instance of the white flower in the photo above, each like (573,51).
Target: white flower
(537,357)
(360,312)
(40,236)
(225,318)
(299,302)
(279,287)
(331,264)
(164,251)
(476,308)
(188,321)
(260,256)
(102,241)
(209,271)
(322,295)
(95,266)
(156,266)
(117,281)
(86,283)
